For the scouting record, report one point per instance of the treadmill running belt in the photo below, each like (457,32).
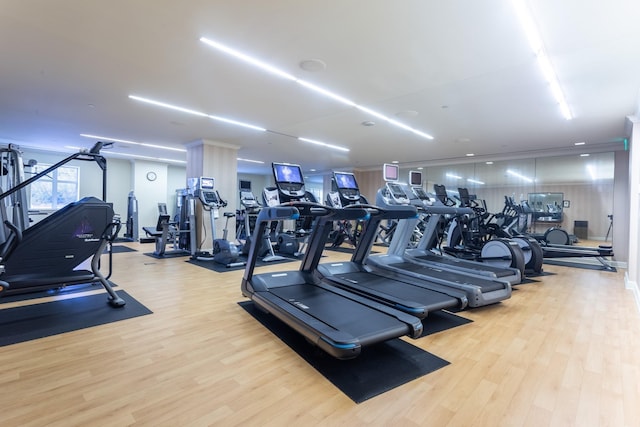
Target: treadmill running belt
(498,271)
(487,285)
(338,312)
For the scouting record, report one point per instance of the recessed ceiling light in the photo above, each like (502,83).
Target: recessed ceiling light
(469,154)
(313,65)
(489,163)
(584,155)
(579,143)
(312,170)
(420,168)
(395,162)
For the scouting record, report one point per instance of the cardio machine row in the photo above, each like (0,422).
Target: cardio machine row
(342,307)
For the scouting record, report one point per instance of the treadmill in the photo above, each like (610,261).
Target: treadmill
(422,253)
(337,321)
(479,290)
(396,290)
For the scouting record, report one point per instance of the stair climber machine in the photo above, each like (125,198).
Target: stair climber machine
(50,254)
(223,252)
(478,289)
(467,240)
(337,321)
(345,192)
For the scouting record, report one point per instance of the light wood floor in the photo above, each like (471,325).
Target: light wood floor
(561,352)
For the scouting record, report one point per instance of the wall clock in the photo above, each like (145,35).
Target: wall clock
(151,176)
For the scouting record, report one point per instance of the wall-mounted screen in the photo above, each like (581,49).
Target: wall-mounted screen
(346,181)
(287,173)
(391,172)
(415,178)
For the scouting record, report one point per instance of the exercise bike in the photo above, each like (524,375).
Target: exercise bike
(223,252)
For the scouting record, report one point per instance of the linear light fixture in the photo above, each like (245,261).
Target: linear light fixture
(233,122)
(196,113)
(517,175)
(109,152)
(535,41)
(276,71)
(250,161)
(324,144)
(125,141)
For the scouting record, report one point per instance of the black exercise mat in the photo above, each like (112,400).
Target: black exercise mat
(116,249)
(66,290)
(440,320)
(167,255)
(21,324)
(378,369)
(598,267)
(220,268)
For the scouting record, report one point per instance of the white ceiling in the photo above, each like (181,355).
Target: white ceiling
(68,66)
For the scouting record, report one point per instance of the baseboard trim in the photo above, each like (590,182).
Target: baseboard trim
(633,287)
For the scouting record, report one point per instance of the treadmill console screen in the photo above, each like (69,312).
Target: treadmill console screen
(206,183)
(415,178)
(288,179)
(347,185)
(391,172)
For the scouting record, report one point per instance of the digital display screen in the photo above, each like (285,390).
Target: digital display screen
(345,181)
(391,172)
(415,178)
(206,183)
(287,173)
(245,185)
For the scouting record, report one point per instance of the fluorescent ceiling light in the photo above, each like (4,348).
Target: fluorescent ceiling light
(475,181)
(517,175)
(233,122)
(250,161)
(110,152)
(253,61)
(584,155)
(274,70)
(450,175)
(579,143)
(535,41)
(312,141)
(196,113)
(125,141)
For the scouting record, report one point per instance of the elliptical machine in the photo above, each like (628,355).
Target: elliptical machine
(223,252)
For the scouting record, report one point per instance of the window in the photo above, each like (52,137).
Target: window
(56,189)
